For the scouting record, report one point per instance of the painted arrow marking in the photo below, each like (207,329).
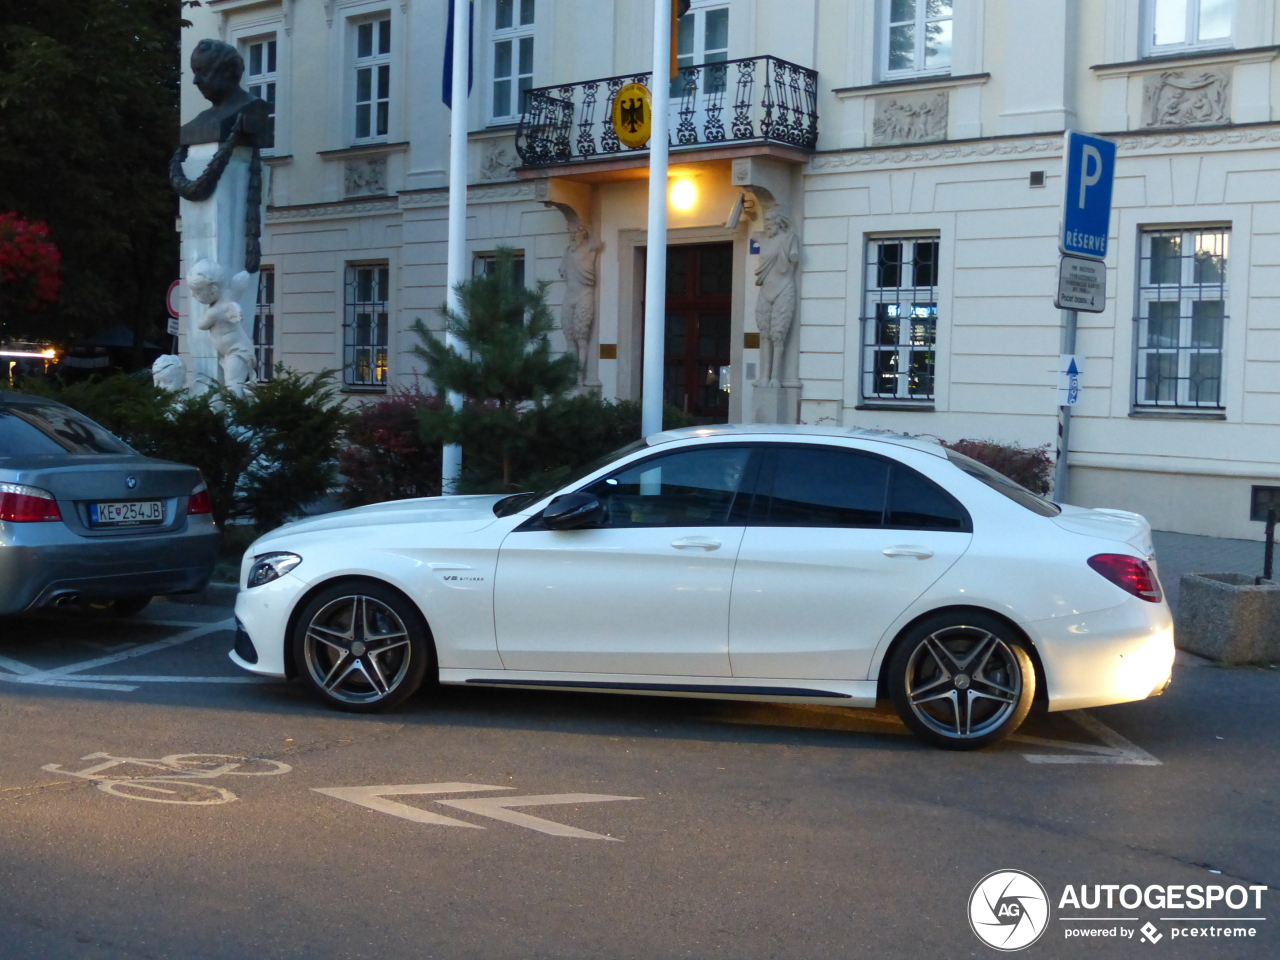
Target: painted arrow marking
(496,808)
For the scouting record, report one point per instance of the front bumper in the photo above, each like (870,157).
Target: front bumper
(43,562)
(263,614)
(1111,656)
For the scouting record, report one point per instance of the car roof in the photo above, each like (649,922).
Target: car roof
(790,432)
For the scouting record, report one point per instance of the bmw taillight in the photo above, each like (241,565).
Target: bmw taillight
(199,502)
(1130,574)
(22,504)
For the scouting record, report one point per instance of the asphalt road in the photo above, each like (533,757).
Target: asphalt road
(707,829)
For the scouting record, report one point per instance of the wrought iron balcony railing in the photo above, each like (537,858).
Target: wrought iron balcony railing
(753,100)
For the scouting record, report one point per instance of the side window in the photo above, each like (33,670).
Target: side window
(917,503)
(826,487)
(692,488)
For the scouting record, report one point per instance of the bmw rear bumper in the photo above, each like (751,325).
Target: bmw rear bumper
(41,563)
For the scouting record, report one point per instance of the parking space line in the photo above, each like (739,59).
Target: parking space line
(85,685)
(13,666)
(1118,752)
(142,650)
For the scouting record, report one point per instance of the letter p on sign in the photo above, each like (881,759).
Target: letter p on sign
(1089,165)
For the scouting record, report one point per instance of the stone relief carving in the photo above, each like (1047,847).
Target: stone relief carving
(578,271)
(901,119)
(1186,98)
(497,161)
(223,319)
(776,278)
(365,177)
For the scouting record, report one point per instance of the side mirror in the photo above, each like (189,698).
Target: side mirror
(573,510)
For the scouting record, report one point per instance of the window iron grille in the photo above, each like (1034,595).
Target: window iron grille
(264,326)
(365,327)
(900,319)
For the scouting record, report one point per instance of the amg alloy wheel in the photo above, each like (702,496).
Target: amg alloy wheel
(361,646)
(962,681)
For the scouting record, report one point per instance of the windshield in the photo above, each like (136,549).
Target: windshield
(52,429)
(518,501)
(1002,484)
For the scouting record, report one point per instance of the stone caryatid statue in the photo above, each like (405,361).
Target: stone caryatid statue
(224,321)
(776,278)
(169,373)
(578,270)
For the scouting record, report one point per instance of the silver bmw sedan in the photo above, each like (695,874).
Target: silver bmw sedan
(86,520)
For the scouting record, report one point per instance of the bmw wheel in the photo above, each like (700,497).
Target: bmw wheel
(962,681)
(361,646)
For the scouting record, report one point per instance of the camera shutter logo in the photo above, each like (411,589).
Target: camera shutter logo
(1008,910)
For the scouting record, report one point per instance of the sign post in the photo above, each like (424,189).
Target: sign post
(1089,166)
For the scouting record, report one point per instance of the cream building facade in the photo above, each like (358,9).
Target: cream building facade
(909,151)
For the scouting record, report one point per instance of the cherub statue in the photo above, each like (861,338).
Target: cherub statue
(578,270)
(169,373)
(223,319)
(776,278)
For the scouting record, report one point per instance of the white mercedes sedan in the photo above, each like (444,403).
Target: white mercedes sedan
(781,564)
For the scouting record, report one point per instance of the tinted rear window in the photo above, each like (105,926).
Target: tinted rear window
(47,428)
(1002,484)
(917,503)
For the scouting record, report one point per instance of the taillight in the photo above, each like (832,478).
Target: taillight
(23,504)
(199,502)
(1129,574)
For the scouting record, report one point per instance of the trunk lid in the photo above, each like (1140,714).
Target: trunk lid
(1107,524)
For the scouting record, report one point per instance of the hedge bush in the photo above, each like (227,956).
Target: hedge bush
(1030,466)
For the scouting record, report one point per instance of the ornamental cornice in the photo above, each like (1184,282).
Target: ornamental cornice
(331,211)
(980,149)
(476,193)
(1231,137)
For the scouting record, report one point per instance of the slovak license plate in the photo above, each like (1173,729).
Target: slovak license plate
(126,512)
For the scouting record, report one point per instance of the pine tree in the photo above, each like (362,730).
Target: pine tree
(506,365)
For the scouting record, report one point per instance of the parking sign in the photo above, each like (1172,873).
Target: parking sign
(1089,169)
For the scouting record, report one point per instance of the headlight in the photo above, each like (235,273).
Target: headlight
(271,566)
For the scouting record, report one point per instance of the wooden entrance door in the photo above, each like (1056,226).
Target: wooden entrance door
(698,323)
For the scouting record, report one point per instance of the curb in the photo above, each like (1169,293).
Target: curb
(214,595)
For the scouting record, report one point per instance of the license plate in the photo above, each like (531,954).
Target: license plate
(126,512)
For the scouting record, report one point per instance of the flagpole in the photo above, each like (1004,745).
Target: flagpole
(456,271)
(655,285)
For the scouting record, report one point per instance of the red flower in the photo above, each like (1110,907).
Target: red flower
(29,262)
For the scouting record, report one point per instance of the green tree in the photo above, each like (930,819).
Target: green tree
(88,119)
(506,366)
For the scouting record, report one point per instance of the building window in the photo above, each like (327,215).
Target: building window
(260,76)
(483,265)
(364,329)
(702,36)
(373,79)
(1182,304)
(512,57)
(264,325)
(917,37)
(900,319)
(1177,25)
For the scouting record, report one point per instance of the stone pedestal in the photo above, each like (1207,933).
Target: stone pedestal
(214,229)
(1226,617)
(775,404)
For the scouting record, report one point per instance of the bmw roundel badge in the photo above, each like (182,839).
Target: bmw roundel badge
(130,482)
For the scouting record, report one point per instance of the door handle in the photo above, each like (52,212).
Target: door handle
(704,543)
(920,553)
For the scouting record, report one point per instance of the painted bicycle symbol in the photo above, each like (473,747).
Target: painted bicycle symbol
(179,779)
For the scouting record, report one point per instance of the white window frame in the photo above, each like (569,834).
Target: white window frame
(376,319)
(1189,45)
(380,95)
(1186,291)
(921,22)
(921,303)
(265,84)
(518,36)
(696,53)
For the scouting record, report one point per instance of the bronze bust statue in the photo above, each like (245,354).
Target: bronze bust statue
(236,119)
(217,69)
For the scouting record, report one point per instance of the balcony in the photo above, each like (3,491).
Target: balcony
(755,101)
